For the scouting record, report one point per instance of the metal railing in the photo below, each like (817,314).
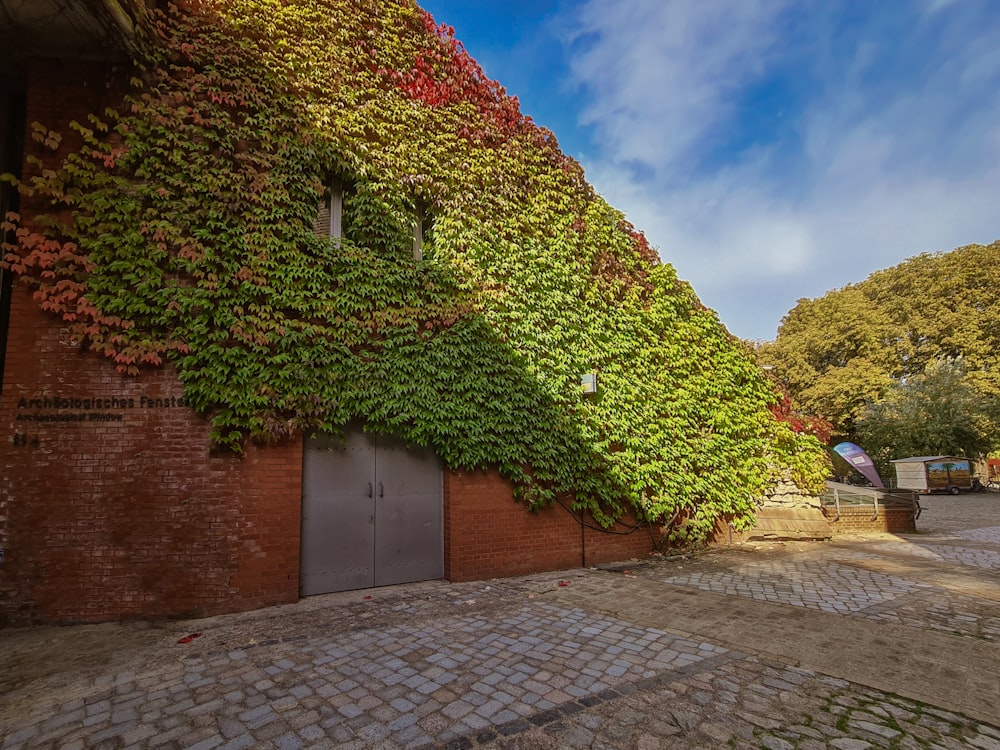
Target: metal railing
(838,494)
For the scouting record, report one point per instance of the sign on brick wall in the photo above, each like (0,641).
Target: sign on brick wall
(35,413)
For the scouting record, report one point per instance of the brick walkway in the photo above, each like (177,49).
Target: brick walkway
(880,642)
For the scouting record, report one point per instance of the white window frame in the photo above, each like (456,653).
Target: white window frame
(418,234)
(336,207)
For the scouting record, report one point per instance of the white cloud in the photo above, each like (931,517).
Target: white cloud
(890,150)
(933,6)
(631,52)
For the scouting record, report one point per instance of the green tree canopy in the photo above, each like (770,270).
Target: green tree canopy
(847,350)
(937,413)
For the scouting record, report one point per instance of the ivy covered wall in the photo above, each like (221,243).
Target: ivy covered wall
(182,230)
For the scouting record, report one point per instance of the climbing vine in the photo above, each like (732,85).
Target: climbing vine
(181,231)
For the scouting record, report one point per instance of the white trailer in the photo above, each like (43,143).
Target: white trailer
(927,474)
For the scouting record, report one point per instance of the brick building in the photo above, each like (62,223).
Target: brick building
(113,503)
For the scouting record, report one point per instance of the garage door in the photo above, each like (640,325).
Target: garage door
(371,513)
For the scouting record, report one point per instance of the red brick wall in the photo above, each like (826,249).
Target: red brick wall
(103,520)
(489,535)
(62,91)
(133,516)
(858,520)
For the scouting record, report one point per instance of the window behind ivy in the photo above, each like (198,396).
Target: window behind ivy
(330,217)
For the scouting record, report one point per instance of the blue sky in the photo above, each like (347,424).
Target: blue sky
(770,149)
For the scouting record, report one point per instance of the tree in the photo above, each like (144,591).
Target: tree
(849,349)
(831,355)
(935,413)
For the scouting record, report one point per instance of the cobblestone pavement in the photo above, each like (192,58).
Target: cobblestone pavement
(862,578)
(859,643)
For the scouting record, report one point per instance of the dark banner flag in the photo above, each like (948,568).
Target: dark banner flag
(859,460)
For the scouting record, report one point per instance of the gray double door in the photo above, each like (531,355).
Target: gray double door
(371,514)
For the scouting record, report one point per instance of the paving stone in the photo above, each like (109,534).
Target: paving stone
(518,665)
(770,742)
(289,741)
(885,732)
(846,743)
(579,737)
(242,742)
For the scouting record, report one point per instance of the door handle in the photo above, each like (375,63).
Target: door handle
(369,489)
(381,490)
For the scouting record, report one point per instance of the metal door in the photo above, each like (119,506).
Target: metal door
(371,514)
(408,514)
(338,514)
